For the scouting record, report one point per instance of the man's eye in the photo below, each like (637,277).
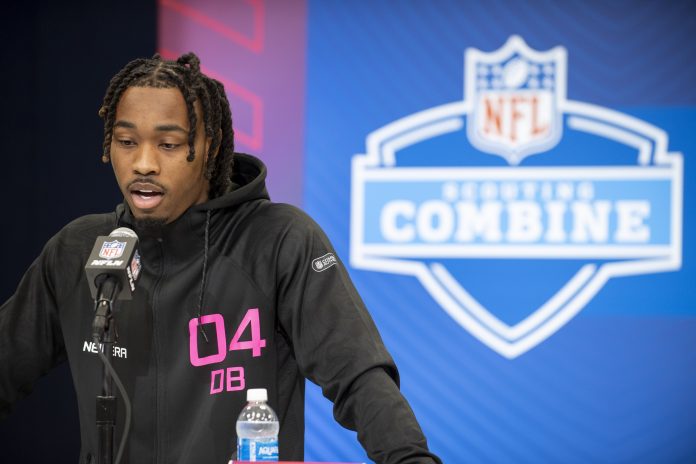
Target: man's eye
(126,142)
(169,146)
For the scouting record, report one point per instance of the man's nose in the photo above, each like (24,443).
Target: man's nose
(146,161)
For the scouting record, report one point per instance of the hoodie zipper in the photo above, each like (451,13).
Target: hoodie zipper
(155,344)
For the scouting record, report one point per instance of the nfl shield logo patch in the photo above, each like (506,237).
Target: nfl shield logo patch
(513,251)
(112,250)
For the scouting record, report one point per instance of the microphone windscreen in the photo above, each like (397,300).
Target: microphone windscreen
(123,232)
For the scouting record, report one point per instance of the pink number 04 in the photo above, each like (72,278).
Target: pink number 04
(251,320)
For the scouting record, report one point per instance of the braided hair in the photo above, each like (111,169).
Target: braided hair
(184,74)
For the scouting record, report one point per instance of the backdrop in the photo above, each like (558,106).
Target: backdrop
(512,185)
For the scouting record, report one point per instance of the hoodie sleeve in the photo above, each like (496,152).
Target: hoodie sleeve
(31,340)
(338,347)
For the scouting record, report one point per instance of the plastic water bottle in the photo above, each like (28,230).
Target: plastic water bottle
(257,429)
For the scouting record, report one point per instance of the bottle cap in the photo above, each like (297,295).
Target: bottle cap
(257,394)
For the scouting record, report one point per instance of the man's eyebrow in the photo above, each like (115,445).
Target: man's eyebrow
(160,128)
(125,124)
(171,127)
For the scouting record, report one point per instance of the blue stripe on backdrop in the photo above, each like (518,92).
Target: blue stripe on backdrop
(613,385)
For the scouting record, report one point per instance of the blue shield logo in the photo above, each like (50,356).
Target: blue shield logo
(600,198)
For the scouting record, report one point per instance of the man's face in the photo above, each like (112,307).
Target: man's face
(149,148)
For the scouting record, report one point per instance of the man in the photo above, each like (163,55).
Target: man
(230,296)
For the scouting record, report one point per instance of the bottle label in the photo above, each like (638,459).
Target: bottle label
(257,450)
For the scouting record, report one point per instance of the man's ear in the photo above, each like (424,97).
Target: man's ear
(208,143)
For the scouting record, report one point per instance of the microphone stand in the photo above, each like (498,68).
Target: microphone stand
(104,333)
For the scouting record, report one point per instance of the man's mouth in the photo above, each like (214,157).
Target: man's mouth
(145,196)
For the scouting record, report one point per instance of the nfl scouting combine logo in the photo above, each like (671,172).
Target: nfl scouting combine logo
(537,181)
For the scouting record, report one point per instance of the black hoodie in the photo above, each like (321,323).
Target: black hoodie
(278,306)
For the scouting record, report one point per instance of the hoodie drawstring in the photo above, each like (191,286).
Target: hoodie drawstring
(205,273)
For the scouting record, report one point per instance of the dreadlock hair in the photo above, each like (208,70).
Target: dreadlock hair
(184,74)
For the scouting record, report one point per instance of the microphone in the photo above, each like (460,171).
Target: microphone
(112,270)
(114,266)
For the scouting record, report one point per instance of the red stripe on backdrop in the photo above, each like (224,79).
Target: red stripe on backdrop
(257,49)
(254,139)
(253,43)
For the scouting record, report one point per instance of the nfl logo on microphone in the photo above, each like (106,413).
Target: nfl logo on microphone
(112,250)
(514,206)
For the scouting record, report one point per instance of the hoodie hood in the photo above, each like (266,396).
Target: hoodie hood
(248,183)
